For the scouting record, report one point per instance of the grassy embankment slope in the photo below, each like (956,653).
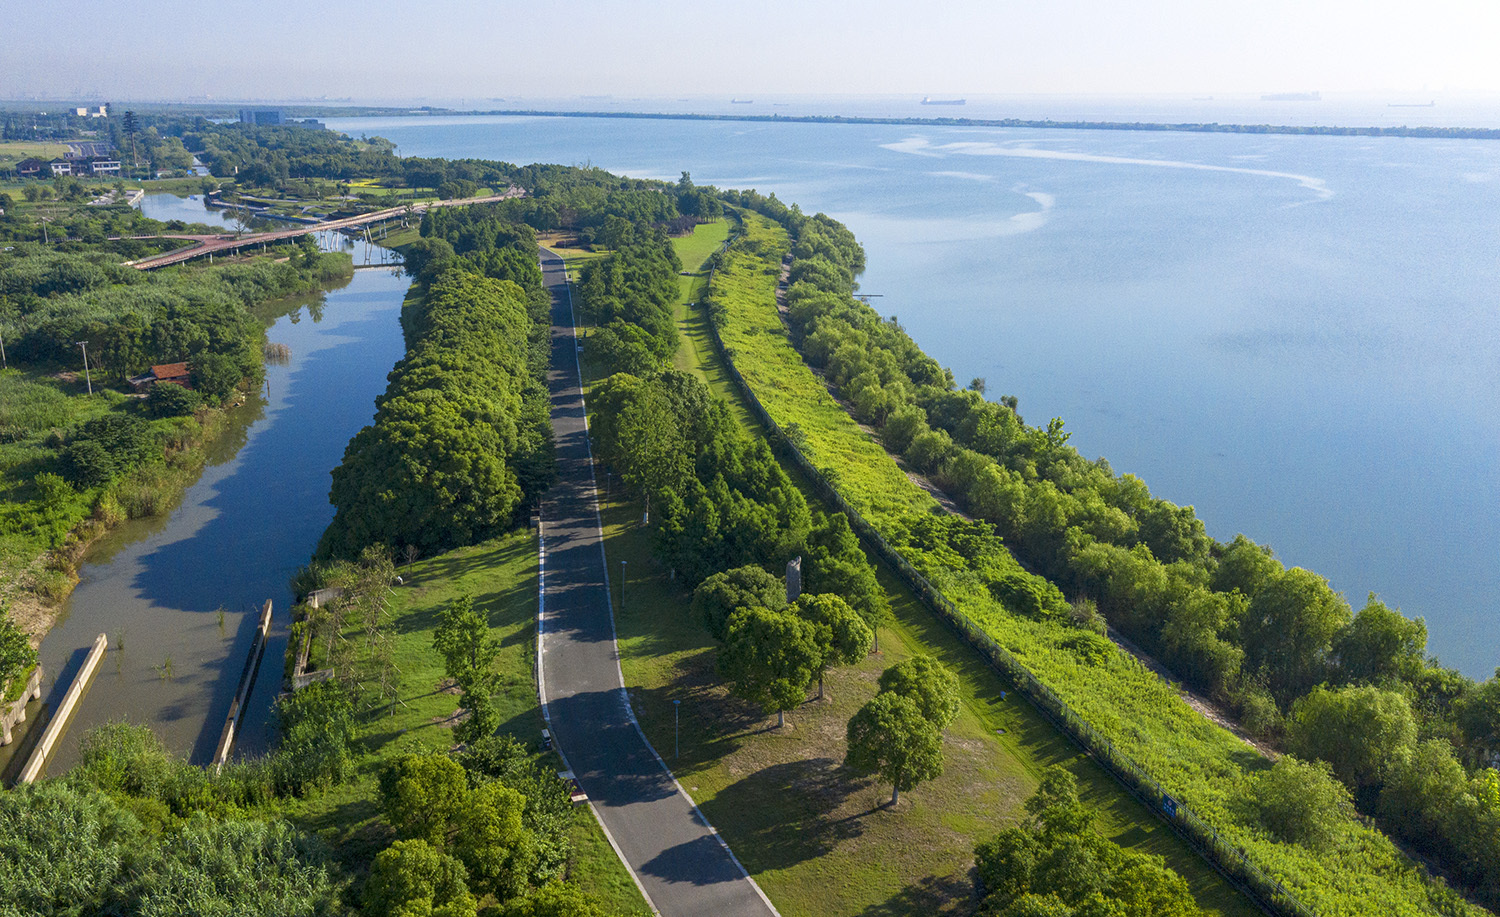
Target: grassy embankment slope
(818,839)
(1193,759)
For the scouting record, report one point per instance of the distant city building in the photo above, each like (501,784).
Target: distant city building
(101,111)
(30,168)
(61,167)
(261,116)
(105,167)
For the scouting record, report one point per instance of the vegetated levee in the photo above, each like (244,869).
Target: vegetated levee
(741,651)
(1351,691)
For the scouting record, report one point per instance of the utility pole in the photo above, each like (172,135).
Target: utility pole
(90,382)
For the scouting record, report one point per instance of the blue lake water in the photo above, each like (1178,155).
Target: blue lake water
(1299,336)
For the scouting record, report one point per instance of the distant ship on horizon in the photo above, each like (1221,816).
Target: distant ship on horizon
(1292,97)
(741,101)
(929,100)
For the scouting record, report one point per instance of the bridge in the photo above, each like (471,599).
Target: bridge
(210,245)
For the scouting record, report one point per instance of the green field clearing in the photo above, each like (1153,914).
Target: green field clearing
(501,575)
(13,151)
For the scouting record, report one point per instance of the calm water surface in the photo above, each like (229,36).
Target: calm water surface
(156,586)
(1300,336)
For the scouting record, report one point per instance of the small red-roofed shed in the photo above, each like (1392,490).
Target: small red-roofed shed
(175,373)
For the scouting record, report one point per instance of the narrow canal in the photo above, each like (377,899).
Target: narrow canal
(179,595)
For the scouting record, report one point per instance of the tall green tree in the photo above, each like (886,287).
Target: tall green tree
(422,795)
(411,878)
(769,658)
(927,683)
(1301,802)
(890,737)
(1381,645)
(1360,731)
(492,841)
(1289,628)
(721,595)
(843,637)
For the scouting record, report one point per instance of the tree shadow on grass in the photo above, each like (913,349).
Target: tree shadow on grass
(784,814)
(928,895)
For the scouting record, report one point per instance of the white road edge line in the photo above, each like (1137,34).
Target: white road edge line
(614,640)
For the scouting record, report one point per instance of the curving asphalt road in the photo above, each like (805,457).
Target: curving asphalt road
(677,858)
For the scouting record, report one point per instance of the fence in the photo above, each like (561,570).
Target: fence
(1226,857)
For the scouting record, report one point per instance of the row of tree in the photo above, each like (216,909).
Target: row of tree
(451,455)
(1228,618)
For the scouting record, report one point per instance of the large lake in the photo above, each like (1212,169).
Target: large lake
(1299,336)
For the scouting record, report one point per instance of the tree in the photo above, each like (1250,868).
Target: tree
(1301,802)
(769,658)
(464,640)
(1478,717)
(421,795)
(890,737)
(215,375)
(1381,645)
(722,594)
(492,841)
(167,400)
(927,683)
(412,879)
(556,899)
(842,636)
(1058,864)
(1289,629)
(1359,731)
(836,563)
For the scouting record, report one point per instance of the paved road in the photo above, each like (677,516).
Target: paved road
(678,859)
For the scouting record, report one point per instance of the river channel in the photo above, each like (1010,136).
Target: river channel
(179,596)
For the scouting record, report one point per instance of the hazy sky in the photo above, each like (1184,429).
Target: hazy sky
(138,49)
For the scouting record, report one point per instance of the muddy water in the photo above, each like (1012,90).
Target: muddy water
(179,595)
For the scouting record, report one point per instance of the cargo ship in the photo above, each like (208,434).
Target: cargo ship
(929,100)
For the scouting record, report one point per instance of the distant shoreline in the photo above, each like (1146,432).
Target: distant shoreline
(1431,133)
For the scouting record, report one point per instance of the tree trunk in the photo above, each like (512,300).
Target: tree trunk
(820,686)
(780,718)
(895,795)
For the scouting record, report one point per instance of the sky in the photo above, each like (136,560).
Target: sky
(376,50)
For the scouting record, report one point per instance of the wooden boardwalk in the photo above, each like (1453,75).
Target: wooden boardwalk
(207,245)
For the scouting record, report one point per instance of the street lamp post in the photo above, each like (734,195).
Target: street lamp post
(676,728)
(88,381)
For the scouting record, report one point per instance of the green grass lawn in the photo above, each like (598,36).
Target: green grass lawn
(501,575)
(819,840)
(696,352)
(13,151)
